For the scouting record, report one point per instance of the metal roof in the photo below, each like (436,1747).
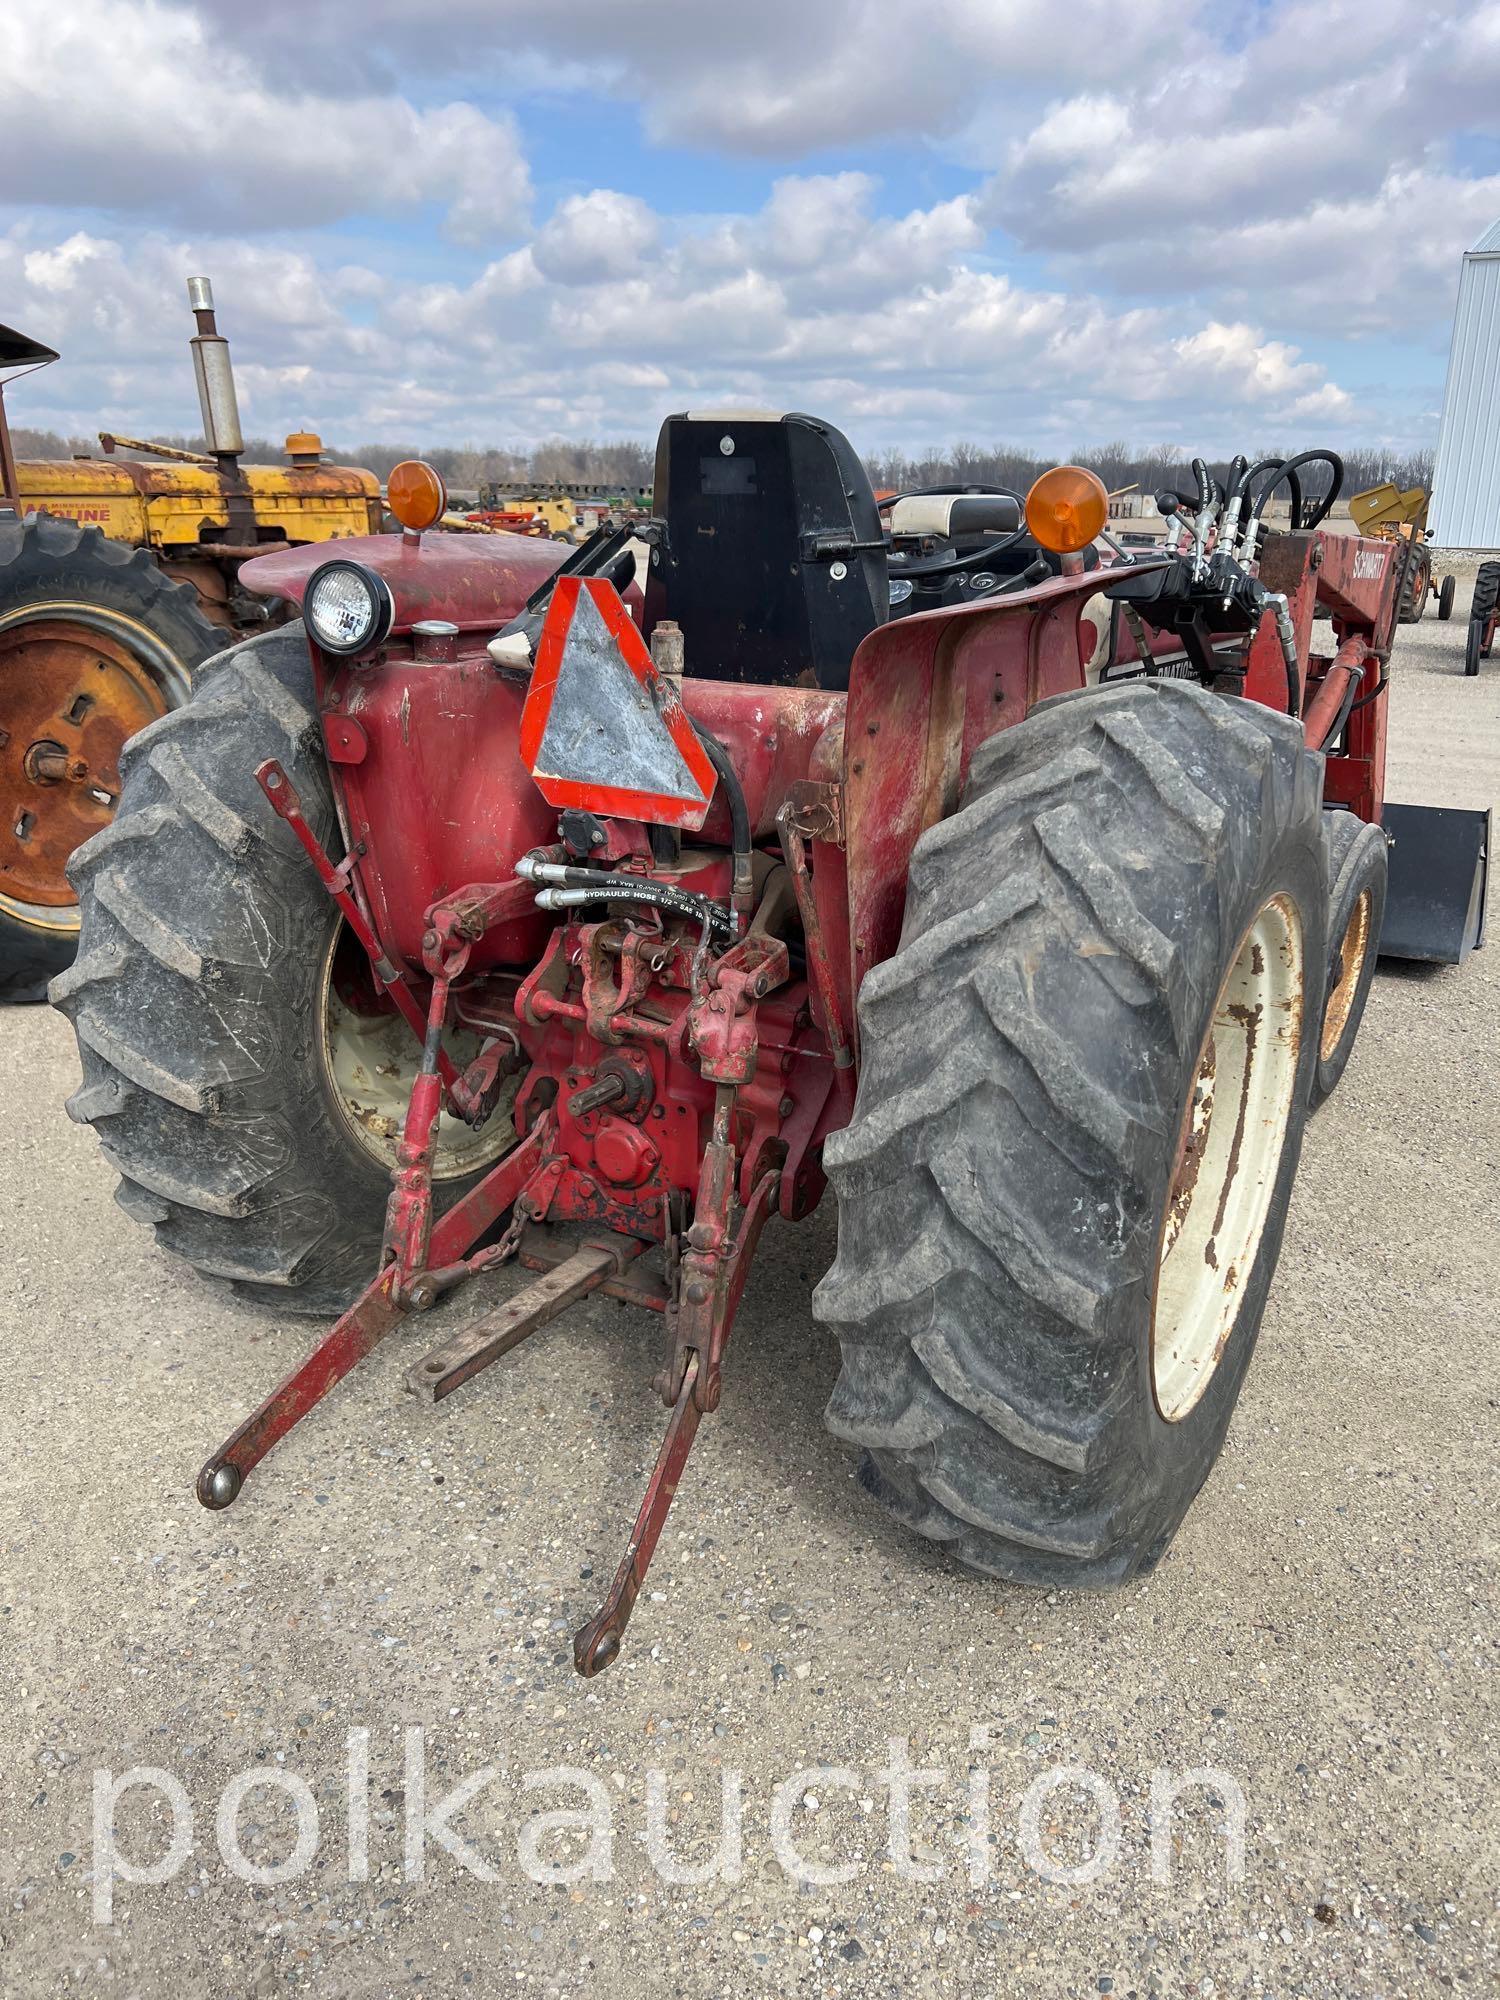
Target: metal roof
(1465,511)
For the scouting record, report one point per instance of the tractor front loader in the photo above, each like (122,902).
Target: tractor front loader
(119,578)
(506,911)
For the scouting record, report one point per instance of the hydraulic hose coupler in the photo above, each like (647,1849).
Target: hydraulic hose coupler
(742,891)
(536,867)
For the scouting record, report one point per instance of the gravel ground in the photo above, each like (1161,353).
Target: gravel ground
(1318,1638)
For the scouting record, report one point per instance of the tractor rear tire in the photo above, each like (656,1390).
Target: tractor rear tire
(198,998)
(1131,899)
(1414,586)
(94,642)
(1482,608)
(1358,866)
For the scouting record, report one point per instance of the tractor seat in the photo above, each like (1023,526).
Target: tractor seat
(773,561)
(953,517)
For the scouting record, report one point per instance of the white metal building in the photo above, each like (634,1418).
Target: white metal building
(1465,511)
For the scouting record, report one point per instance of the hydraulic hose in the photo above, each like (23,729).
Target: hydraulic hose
(1287,469)
(638,889)
(1286,638)
(567,886)
(1234,500)
(1254,501)
(1336,727)
(1335,486)
(742,896)
(1330,706)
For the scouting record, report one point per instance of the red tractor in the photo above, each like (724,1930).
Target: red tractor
(504,909)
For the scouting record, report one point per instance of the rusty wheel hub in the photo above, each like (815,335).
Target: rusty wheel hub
(73,687)
(370,1062)
(1354,947)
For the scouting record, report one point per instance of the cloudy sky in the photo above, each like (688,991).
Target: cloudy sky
(1048,222)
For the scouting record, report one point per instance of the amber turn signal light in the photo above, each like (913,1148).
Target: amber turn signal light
(1066,508)
(416,495)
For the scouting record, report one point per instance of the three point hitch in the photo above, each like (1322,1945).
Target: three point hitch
(424,1256)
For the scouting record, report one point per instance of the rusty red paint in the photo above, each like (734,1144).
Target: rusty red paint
(1351,579)
(477,582)
(1321,712)
(440,793)
(596,1645)
(924,693)
(715,1264)
(390,978)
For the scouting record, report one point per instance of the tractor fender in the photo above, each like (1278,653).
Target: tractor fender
(924,693)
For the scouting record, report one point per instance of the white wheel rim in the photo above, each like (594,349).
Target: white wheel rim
(1354,947)
(370,1061)
(1232,1139)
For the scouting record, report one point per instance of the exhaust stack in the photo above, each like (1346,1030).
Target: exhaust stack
(215,375)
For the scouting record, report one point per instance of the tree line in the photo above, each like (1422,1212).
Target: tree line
(628,465)
(1165,467)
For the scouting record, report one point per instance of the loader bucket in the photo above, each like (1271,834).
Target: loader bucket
(1439,868)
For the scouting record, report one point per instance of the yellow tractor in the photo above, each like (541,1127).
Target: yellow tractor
(119,577)
(1395,514)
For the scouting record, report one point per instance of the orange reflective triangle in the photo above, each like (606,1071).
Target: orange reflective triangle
(601,728)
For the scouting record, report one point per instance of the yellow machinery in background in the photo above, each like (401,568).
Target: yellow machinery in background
(554,516)
(119,576)
(1397,514)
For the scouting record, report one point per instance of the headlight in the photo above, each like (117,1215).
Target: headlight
(348,608)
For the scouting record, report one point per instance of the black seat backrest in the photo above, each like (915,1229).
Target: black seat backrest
(774,556)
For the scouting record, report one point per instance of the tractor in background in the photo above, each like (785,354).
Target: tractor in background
(1399,515)
(119,577)
(508,910)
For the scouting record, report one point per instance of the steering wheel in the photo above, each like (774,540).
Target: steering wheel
(942,565)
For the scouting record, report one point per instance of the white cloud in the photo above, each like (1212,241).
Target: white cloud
(1156,221)
(1315,153)
(595,236)
(136,105)
(778,80)
(747,309)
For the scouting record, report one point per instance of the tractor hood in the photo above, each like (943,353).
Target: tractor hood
(478,582)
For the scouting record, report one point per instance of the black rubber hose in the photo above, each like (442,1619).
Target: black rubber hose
(739,821)
(1287,470)
(603,888)
(1346,709)
(1375,692)
(734,791)
(1320,508)
(1279,467)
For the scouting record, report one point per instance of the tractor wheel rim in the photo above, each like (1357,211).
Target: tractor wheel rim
(75,682)
(369,1064)
(1231,1143)
(1347,968)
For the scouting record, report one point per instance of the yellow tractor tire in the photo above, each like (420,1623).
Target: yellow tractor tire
(94,643)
